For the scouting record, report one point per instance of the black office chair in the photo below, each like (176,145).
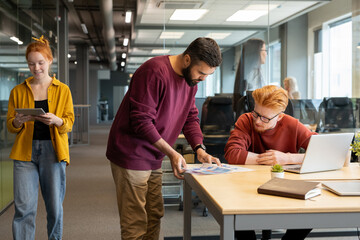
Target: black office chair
(217,119)
(246,104)
(336,113)
(216,122)
(305,111)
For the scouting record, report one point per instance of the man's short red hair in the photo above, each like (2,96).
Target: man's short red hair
(271,96)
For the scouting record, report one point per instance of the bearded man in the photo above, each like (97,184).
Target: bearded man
(159,104)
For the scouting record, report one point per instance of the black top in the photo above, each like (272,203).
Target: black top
(41,130)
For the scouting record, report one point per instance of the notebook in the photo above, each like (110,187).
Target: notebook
(343,188)
(325,152)
(290,188)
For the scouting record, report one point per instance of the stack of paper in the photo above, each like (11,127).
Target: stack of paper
(207,168)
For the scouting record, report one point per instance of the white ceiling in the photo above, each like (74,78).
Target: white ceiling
(151,19)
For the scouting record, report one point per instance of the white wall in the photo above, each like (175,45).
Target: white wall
(296,55)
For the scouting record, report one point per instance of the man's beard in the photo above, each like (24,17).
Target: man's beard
(262,129)
(186,74)
(259,130)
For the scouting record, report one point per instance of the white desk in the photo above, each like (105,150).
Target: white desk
(235,204)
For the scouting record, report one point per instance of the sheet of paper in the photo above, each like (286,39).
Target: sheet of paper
(207,168)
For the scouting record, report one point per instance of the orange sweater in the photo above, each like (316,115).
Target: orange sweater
(289,135)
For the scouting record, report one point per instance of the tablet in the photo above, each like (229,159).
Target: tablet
(30,111)
(343,188)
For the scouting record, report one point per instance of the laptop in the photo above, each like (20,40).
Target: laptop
(343,188)
(325,152)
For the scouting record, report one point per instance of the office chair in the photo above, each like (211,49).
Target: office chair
(216,122)
(246,104)
(336,113)
(305,111)
(217,119)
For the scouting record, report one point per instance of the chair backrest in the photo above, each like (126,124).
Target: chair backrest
(339,112)
(305,111)
(199,102)
(247,104)
(217,115)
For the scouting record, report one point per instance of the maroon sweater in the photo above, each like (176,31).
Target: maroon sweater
(158,104)
(289,135)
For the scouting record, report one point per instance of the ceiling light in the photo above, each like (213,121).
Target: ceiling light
(122,64)
(218,35)
(15,39)
(188,14)
(128,17)
(179,4)
(160,51)
(171,35)
(126,42)
(251,12)
(246,15)
(84,28)
(267,7)
(123,55)
(69,55)
(75,62)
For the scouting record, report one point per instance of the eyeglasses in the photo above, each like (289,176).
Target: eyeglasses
(262,118)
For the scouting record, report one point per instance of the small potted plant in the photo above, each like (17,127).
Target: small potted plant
(277,171)
(355,145)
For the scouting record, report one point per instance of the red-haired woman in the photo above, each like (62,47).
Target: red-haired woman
(40,151)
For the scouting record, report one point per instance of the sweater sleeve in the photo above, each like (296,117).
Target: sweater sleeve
(236,149)
(11,114)
(191,128)
(68,111)
(144,100)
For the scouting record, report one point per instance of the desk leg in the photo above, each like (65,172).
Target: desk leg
(227,230)
(187,211)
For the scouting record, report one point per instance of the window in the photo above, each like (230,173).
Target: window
(332,59)
(274,60)
(210,86)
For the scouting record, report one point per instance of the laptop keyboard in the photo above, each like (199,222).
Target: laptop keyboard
(292,168)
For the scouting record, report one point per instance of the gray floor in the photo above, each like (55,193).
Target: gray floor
(90,210)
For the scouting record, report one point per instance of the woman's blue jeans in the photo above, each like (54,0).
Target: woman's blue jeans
(45,169)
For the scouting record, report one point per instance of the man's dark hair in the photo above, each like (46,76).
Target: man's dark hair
(206,50)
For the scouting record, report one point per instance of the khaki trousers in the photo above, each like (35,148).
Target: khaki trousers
(140,202)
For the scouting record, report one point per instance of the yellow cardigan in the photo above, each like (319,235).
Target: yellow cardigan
(60,103)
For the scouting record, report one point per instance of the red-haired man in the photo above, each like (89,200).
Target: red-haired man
(268,136)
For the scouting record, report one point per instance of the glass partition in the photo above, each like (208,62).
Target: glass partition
(304,40)
(19,22)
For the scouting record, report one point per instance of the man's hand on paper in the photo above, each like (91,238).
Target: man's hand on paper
(204,157)
(178,165)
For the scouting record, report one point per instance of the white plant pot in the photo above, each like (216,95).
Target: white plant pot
(277,174)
